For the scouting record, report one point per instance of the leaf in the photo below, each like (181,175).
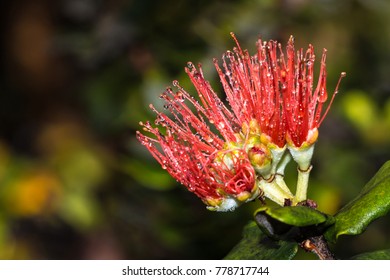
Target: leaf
(373,202)
(376,255)
(273,228)
(293,223)
(299,216)
(255,245)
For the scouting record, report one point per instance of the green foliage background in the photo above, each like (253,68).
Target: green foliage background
(77,77)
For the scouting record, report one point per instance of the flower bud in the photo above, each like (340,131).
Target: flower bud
(261,159)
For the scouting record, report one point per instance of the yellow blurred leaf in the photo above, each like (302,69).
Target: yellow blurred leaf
(33,194)
(80,209)
(360,109)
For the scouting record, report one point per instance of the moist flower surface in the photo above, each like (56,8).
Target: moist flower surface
(231,153)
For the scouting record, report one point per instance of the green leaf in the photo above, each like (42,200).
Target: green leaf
(373,202)
(376,255)
(299,216)
(255,245)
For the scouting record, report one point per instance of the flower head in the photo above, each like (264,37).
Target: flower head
(229,155)
(251,84)
(303,103)
(201,147)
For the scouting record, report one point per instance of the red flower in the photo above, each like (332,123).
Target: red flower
(225,155)
(302,103)
(252,87)
(204,161)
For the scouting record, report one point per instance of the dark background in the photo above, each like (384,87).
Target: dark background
(77,76)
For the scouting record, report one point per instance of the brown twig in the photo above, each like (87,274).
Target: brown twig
(318,246)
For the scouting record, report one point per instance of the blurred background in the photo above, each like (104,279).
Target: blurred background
(78,75)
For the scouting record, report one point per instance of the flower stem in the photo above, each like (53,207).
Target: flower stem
(302,184)
(274,192)
(279,180)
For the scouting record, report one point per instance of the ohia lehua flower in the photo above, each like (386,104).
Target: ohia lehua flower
(228,153)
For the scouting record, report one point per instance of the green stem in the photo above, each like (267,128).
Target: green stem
(279,180)
(274,192)
(279,176)
(302,184)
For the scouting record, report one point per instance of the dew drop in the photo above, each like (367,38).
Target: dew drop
(323,95)
(159,120)
(180,96)
(190,65)
(197,76)
(175,83)
(221,125)
(168,91)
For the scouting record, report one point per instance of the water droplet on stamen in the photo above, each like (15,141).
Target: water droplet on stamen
(175,83)
(323,95)
(197,75)
(180,96)
(167,91)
